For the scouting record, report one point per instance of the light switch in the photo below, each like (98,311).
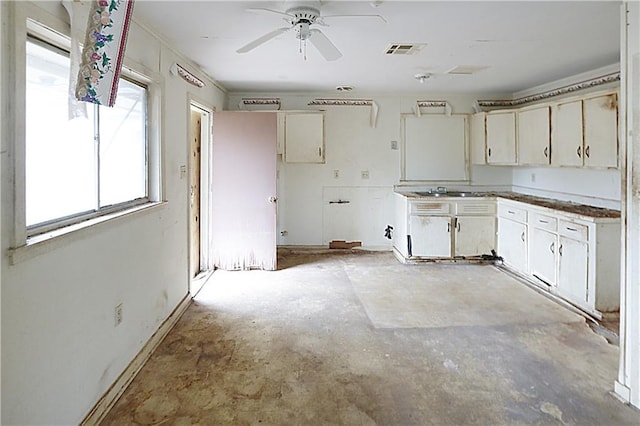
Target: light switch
(183,171)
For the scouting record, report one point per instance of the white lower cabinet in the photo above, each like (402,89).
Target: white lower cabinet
(474,235)
(513,239)
(573,271)
(576,256)
(430,236)
(450,228)
(543,256)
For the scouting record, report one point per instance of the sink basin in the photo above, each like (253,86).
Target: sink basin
(447,194)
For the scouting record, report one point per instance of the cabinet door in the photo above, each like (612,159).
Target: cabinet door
(501,138)
(430,236)
(601,131)
(512,244)
(534,137)
(566,134)
(573,260)
(478,138)
(543,255)
(304,136)
(474,235)
(435,148)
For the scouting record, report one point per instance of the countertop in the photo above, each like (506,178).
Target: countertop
(564,206)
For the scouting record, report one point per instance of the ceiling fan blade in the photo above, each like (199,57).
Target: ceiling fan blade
(263,11)
(261,40)
(327,49)
(354,16)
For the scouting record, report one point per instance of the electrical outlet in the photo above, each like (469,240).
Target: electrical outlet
(533,177)
(118,314)
(183,171)
(336,174)
(394,145)
(364,174)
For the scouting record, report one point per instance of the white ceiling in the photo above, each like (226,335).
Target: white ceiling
(524,44)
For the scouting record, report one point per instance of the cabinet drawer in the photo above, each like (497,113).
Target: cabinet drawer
(476,208)
(513,213)
(429,208)
(542,221)
(573,230)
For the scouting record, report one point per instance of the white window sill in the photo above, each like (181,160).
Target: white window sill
(42,243)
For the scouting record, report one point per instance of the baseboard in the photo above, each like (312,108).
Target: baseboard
(622,392)
(111,396)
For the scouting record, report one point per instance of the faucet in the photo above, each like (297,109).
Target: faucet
(441,189)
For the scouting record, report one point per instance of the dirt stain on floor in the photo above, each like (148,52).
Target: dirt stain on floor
(295,346)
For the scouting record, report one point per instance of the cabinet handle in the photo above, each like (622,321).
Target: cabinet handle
(511,212)
(489,152)
(543,221)
(449,227)
(319,151)
(570,229)
(546,152)
(552,247)
(586,151)
(560,250)
(579,151)
(458,225)
(522,236)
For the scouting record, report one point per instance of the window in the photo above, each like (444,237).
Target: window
(80,168)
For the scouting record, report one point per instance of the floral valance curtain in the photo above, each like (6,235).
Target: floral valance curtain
(103,52)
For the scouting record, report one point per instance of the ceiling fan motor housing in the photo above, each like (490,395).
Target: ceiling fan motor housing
(304,18)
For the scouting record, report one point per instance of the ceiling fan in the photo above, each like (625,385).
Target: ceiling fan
(301,19)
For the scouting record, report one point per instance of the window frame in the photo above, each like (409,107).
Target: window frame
(27,242)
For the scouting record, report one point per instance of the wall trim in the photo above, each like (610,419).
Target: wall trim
(179,70)
(432,104)
(564,90)
(111,396)
(349,102)
(260,102)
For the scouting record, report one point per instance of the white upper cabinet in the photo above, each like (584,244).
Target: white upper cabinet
(534,136)
(566,134)
(501,137)
(601,131)
(478,138)
(304,137)
(585,132)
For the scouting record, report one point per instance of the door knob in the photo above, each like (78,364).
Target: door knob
(273,199)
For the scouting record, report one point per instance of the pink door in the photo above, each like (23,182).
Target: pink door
(244,190)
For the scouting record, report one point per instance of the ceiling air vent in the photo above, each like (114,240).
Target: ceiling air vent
(466,69)
(404,48)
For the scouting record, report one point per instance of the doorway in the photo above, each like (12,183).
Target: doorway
(200,130)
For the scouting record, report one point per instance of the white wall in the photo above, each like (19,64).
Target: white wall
(60,348)
(596,187)
(353,146)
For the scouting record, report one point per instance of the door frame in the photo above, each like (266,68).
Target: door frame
(206,267)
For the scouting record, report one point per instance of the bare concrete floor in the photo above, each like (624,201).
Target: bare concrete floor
(359,339)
